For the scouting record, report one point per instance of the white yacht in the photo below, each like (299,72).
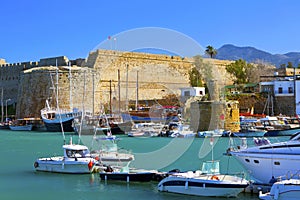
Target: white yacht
(269,161)
(208,182)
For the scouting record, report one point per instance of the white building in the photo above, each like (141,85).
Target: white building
(192,91)
(283,88)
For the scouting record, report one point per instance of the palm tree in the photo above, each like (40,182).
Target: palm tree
(211,51)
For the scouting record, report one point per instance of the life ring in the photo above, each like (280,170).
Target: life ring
(214,177)
(36,164)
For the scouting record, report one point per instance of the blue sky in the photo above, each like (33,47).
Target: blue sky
(35,29)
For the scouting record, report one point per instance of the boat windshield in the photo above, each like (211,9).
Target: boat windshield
(78,153)
(211,167)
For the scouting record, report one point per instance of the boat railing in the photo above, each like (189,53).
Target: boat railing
(237,144)
(289,175)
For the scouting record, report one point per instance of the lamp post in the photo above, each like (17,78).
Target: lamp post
(6,108)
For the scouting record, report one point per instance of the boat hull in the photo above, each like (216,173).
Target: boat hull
(59,165)
(285,132)
(53,126)
(128,177)
(200,187)
(284,190)
(249,134)
(263,166)
(27,127)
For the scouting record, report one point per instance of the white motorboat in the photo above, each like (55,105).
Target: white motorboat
(182,131)
(285,189)
(208,182)
(76,160)
(213,133)
(109,154)
(147,129)
(269,160)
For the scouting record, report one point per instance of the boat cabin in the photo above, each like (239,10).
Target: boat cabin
(76,151)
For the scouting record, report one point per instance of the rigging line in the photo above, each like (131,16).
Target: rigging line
(57,105)
(83,108)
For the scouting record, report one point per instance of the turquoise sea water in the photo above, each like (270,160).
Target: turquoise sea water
(18,179)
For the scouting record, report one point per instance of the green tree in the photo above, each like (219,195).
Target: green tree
(241,70)
(195,78)
(290,65)
(211,51)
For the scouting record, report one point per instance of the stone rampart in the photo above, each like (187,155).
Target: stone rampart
(28,83)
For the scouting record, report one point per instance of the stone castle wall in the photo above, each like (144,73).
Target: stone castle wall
(37,84)
(156,75)
(28,83)
(10,74)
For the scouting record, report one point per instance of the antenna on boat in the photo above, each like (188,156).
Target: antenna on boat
(211,142)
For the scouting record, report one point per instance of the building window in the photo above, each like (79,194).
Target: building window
(201,92)
(280,90)
(291,90)
(186,93)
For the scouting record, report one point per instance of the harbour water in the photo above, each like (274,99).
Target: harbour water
(18,179)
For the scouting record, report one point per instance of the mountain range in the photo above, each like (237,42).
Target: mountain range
(251,54)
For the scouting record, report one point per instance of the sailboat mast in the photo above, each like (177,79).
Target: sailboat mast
(83,107)
(57,105)
(137,90)
(110,97)
(70,88)
(93,108)
(126,88)
(119,88)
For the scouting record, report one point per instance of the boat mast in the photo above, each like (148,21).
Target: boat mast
(70,88)
(57,105)
(119,88)
(83,108)
(93,108)
(137,90)
(295,104)
(126,88)
(110,108)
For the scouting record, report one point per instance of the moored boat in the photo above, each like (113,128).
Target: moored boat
(21,125)
(57,120)
(109,154)
(268,160)
(284,190)
(208,182)
(76,160)
(127,174)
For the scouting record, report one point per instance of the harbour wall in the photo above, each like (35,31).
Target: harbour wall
(104,76)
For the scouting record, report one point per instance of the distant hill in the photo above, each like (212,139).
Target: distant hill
(251,54)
